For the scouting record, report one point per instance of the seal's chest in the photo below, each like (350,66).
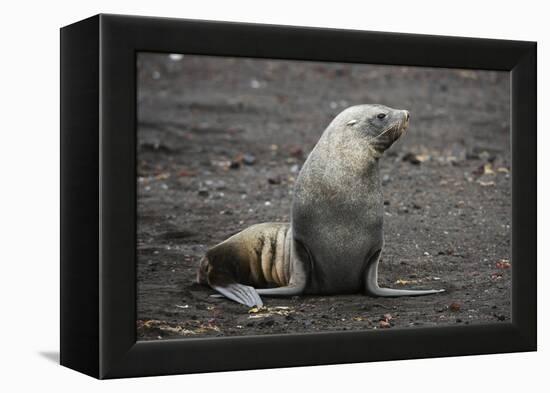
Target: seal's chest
(338,272)
(334,282)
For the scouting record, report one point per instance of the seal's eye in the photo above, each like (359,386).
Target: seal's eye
(381,115)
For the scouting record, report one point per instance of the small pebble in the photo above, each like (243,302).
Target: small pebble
(411,158)
(274,180)
(454,307)
(248,159)
(296,151)
(384,325)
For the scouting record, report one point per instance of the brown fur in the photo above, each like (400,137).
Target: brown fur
(256,256)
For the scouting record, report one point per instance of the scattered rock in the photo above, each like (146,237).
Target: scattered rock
(484,172)
(384,325)
(242,159)
(295,168)
(185,173)
(248,159)
(411,158)
(156,147)
(296,151)
(274,180)
(503,264)
(216,184)
(255,84)
(455,307)
(485,153)
(415,159)
(384,322)
(478,171)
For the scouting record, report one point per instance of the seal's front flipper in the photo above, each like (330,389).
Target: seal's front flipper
(281,291)
(240,293)
(372,288)
(299,277)
(389,292)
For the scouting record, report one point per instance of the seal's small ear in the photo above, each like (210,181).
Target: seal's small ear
(351,122)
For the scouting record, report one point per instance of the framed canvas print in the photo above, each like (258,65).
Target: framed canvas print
(298,196)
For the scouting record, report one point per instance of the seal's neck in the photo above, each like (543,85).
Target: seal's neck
(374,153)
(370,168)
(346,156)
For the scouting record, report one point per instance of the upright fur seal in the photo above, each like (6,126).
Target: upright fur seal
(335,238)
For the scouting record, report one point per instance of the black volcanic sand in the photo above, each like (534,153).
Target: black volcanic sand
(220,142)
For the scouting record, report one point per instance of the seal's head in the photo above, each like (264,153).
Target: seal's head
(378,125)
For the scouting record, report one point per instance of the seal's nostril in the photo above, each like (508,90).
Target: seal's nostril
(407,115)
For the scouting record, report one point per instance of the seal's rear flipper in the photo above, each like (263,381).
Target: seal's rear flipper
(372,288)
(240,293)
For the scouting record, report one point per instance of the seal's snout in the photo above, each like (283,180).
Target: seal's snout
(404,122)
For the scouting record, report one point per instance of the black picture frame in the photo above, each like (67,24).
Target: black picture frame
(98,195)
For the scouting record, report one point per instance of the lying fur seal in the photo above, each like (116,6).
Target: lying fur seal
(335,238)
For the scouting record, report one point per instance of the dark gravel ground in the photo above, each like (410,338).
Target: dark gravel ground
(220,141)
